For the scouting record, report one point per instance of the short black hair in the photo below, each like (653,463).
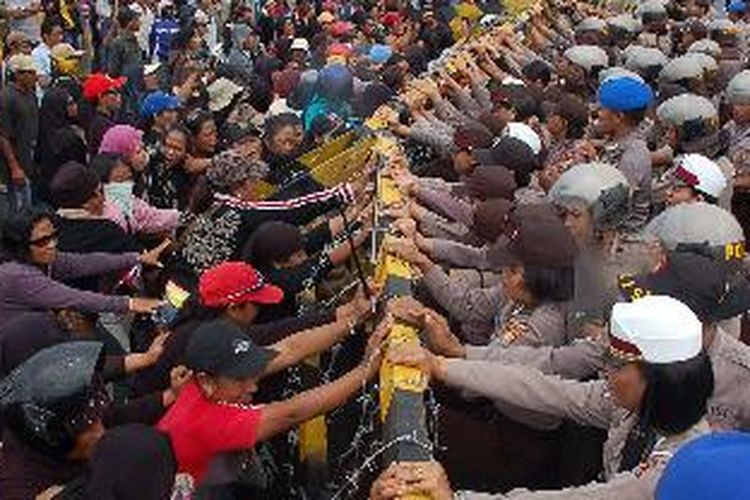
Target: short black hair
(272,242)
(712,200)
(50,23)
(635,117)
(195,120)
(537,70)
(549,284)
(676,394)
(17,231)
(273,125)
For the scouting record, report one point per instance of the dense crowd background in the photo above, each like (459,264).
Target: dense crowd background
(576,186)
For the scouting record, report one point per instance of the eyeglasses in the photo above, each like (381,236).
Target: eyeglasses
(45,240)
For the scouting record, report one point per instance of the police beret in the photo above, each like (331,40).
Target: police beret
(591,24)
(738,89)
(624,22)
(587,56)
(681,68)
(625,94)
(737,7)
(706,46)
(712,466)
(686,107)
(655,329)
(638,58)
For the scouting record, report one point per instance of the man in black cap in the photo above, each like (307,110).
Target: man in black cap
(214,413)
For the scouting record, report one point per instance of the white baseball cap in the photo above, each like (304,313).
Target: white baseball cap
(300,44)
(700,173)
(655,329)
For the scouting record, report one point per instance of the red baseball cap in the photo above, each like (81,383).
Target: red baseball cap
(339,49)
(391,19)
(341,28)
(233,283)
(98,84)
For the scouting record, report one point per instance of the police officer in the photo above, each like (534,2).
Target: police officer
(689,123)
(595,202)
(738,129)
(658,334)
(623,103)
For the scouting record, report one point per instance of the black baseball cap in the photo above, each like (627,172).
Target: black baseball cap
(221,348)
(697,280)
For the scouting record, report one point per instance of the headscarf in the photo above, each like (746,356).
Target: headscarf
(132,461)
(121,139)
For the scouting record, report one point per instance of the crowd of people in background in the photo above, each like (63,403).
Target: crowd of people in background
(576,186)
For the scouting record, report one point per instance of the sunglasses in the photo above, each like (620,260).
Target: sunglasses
(45,240)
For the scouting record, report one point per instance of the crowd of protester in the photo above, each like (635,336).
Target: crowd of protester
(576,186)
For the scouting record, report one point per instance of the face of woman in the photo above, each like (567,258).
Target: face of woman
(166,119)
(463,163)
(139,159)
(121,173)
(95,205)
(71,108)
(195,42)
(577,220)
(175,147)
(206,140)
(677,194)
(627,384)
(513,283)
(609,121)
(251,147)
(43,243)
(284,142)
(549,175)
(556,125)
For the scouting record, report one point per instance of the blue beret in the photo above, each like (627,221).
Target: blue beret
(712,466)
(737,7)
(157,102)
(625,94)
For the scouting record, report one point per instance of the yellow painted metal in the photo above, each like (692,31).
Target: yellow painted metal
(313,440)
(344,165)
(329,150)
(389,194)
(263,190)
(393,377)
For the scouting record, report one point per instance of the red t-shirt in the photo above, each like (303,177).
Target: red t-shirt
(201,429)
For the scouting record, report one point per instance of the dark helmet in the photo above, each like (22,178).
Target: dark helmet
(55,395)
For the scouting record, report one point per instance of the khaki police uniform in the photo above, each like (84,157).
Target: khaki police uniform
(588,403)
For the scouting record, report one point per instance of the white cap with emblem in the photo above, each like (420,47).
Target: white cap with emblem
(655,329)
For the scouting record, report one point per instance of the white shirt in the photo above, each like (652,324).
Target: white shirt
(42,55)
